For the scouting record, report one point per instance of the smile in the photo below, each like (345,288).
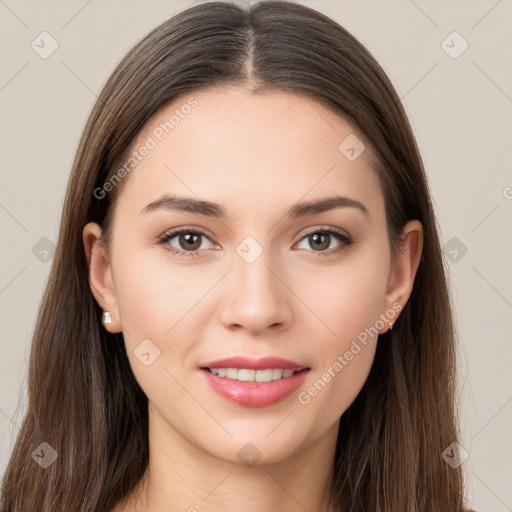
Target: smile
(253,382)
(249,375)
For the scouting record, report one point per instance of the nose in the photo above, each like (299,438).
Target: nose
(256,297)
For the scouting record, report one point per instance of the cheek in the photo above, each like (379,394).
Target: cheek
(345,352)
(155,297)
(159,303)
(346,298)
(334,388)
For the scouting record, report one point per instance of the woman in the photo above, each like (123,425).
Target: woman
(247,306)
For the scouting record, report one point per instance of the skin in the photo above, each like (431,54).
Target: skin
(257,156)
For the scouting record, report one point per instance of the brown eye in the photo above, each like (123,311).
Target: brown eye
(189,241)
(320,241)
(185,242)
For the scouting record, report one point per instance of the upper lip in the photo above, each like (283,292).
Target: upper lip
(254,364)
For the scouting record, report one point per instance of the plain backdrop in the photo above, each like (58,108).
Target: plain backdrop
(451,65)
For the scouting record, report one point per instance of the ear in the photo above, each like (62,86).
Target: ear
(403,269)
(100,274)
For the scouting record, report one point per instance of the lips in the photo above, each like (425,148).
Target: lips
(254,382)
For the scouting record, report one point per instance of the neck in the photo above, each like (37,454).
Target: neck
(181,477)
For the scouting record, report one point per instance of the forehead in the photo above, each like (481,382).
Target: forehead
(230,144)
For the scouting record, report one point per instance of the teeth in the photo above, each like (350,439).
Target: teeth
(232,373)
(277,374)
(263,375)
(243,375)
(247,375)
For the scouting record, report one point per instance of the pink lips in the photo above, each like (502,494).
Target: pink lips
(254,394)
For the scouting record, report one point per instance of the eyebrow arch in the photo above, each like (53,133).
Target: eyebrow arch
(198,206)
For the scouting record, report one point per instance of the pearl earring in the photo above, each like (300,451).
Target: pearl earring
(106,318)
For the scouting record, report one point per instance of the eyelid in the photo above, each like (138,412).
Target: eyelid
(169,235)
(185,229)
(317,229)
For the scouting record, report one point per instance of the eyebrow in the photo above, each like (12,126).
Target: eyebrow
(200,207)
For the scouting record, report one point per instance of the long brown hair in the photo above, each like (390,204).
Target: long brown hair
(83,399)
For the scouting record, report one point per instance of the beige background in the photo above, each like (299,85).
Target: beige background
(461,112)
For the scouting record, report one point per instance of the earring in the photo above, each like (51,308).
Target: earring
(105,318)
(391,324)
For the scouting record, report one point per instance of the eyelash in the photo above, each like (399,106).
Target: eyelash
(345,240)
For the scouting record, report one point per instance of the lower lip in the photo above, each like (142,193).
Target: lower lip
(255,394)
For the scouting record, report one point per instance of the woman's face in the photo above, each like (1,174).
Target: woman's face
(257,271)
